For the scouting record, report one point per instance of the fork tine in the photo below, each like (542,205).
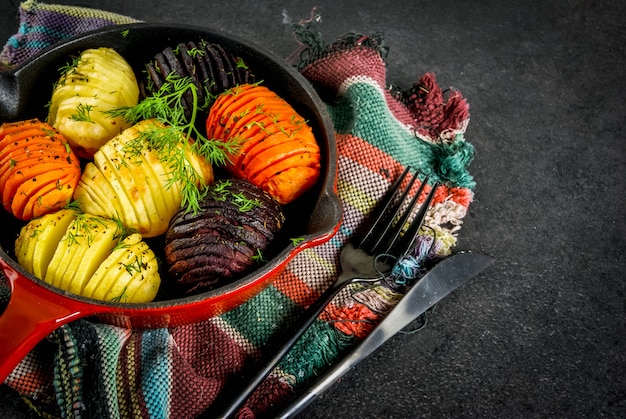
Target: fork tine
(384,234)
(406,242)
(393,243)
(377,219)
(386,230)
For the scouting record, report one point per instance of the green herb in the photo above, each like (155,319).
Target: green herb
(194,52)
(125,33)
(74,206)
(123,296)
(258,257)
(239,63)
(243,203)
(167,106)
(220,187)
(296,240)
(82,113)
(136,266)
(221,192)
(50,132)
(69,67)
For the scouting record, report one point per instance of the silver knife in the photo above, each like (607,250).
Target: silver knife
(439,281)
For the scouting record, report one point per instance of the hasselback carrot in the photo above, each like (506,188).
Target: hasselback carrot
(278,151)
(38,169)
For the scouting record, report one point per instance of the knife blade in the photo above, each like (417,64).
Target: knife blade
(439,281)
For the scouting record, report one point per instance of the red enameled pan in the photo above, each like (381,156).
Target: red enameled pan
(35,308)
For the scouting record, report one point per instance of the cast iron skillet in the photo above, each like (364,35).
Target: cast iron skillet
(35,309)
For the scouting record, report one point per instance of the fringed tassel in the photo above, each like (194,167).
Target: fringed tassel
(435,117)
(451,161)
(425,103)
(312,46)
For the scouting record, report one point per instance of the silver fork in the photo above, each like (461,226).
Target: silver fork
(383,238)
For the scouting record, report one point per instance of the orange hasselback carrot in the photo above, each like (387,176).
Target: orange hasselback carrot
(38,170)
(278,151)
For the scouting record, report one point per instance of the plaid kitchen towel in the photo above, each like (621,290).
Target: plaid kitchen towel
(88,369)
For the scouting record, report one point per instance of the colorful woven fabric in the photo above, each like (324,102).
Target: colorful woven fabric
(42,25)
(90,369)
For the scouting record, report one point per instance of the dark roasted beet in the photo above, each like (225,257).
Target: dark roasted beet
(224,240)
(212,69)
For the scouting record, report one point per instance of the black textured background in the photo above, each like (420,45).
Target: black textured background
(542,332)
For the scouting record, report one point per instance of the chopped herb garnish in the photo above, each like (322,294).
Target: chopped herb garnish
(166,106)
(296,240)
(82,113)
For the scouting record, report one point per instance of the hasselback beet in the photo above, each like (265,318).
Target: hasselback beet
(223,241)
(208,65)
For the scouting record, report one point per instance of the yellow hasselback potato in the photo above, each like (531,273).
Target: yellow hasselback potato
(129,274)
(132,182)
(100,80)
(88,240)
(38,241)
(89,256)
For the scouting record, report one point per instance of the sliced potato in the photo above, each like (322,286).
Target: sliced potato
(89,256)
(38,240)
(87,242)
(133,183)
(100,80)
(48,240)
(129,274)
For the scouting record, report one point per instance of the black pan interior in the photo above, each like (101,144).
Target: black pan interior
(24,94)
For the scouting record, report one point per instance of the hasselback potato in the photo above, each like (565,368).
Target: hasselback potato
(278,151)
(138,182)
(38,169)
(98,81)
(89,256)
(230,234)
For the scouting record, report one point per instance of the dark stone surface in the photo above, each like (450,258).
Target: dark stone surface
(541,333)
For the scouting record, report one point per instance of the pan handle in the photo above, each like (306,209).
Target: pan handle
(32,313)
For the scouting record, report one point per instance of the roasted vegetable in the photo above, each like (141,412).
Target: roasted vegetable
(278,151)
(210,68)
(227,238)
(141,183)
(98,81)
(129,274)
(89,256)
(38,169)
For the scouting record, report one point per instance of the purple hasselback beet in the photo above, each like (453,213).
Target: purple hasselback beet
(210,67)
(225,240)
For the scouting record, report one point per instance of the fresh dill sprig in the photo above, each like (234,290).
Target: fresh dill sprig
(166,105)
(295,241)
(122,297)
(135,266)
(239,199)
(258,257)
(194,52)
(70,66)
(83,113)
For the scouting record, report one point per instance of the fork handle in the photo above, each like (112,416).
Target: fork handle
(268,362)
